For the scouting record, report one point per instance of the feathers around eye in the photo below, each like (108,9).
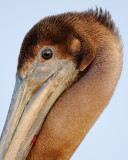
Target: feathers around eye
(62,29)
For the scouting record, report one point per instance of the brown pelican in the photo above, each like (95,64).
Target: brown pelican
(68,68)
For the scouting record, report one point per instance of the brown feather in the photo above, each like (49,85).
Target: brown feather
(90,39)
(60,31)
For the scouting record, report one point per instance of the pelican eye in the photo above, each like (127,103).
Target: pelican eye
(47,54)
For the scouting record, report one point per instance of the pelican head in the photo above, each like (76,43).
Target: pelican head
(75,49)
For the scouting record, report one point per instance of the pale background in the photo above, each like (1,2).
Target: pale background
(108,138)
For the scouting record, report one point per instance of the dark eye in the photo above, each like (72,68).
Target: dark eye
(47,54)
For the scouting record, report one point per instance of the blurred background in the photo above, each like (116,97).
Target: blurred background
(108,138)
